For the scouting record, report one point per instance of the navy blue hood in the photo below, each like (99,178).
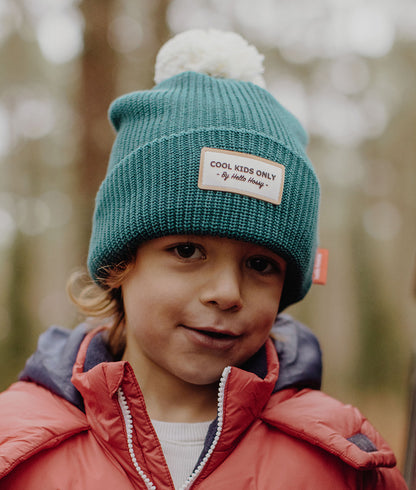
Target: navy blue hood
(51,365)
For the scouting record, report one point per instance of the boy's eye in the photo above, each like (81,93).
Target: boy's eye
(262,265)
(188,251)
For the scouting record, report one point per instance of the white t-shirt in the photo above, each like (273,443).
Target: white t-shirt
(182,444)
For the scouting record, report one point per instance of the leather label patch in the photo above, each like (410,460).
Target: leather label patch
(241,173)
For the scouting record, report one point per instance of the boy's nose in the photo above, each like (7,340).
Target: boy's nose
(223,288)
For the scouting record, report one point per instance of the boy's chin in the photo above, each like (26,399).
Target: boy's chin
(203,377)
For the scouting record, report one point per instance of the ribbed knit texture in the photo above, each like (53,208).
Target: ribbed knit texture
(151,187)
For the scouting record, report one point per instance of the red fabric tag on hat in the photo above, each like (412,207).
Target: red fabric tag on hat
(320,267)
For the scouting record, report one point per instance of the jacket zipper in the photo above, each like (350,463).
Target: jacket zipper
(220,415)
(128,422)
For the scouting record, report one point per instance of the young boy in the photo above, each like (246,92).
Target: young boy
(205,229)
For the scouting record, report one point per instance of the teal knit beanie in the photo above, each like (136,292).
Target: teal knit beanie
(207,155)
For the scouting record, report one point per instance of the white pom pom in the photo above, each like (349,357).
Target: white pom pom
(216,53)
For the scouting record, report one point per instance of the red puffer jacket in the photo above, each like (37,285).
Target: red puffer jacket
(289,439)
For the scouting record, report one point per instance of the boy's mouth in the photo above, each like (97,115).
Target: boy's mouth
(212,332)
(214,337)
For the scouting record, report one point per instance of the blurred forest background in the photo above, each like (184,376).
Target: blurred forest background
(346,68)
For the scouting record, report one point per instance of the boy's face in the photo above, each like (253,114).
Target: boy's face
(195,305)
